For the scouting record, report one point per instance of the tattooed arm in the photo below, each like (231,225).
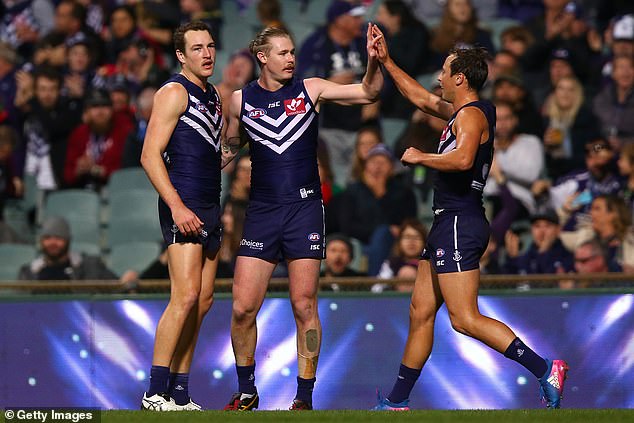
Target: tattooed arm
(231,141)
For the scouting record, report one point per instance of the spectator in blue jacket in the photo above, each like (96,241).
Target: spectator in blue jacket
(546,253)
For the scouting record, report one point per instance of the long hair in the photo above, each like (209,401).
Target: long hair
(446,34)
(565,116)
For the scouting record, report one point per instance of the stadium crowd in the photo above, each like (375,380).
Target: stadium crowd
(77,78)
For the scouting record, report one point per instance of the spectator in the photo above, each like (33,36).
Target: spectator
(239,70)
(70,22)
(570,125)
(590,257)
(95,147)
(11,185)
(209,12)
(270,15)
(326,177)
(545,254)
(610,225)
(134,143)
(619,41)
(430,9)
(402,30)
(614,105)
(24,22)
(59,262)
(626,169)
(516,39)
(8,87)
(50,51)
(232,223)
(122,30)
(372,209)
(458,27)
(517,164)
(512,89)
(367,137)
(241,179)
(337,52)
(49,119)
(339,255)
(79,72)
(409,244)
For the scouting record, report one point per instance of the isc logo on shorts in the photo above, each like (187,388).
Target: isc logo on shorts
(294,106)
(257,113)
(313,237)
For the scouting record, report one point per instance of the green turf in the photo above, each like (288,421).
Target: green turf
(347,416)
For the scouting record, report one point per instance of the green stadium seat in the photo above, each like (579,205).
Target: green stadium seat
(133,216)
(73,204)
(128,178)
(392,130)
(13,257)
(132,256)
(88,248)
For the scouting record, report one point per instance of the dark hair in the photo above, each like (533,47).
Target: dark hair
(179,34)
(127,9)
(402,10)
(78,10)
(49,73)
(261,42)
(269,10)
(472,63)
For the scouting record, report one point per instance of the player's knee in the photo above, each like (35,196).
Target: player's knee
(242,313)
(304,309)
(204,304)
(420,315)
(185,301)
(462,324)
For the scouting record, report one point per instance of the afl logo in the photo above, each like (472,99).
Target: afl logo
(440,252)
(313,237)
(257,113)
(201,108)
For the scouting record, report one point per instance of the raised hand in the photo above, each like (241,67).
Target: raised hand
(376,43)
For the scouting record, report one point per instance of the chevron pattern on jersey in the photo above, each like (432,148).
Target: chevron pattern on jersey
(202,120)
(279,133)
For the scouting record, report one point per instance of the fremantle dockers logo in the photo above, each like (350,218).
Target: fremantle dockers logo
(175,229)
(257,113)
(294,106)
(457,256)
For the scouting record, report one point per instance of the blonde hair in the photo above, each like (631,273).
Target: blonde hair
(262,41)
(556,113)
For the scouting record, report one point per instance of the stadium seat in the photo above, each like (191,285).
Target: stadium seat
(133,216)
(13,257)
(88,248)
(392,130)
(73,204)
(359,260)
(132,256)
(128,178)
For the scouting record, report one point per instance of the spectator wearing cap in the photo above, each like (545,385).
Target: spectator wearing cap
(337,52)
(95,147)
(49,120)
(79,72)
(545,253)
(57,260)
(372,209)
(71,22)
(614,105)
(511,88)
(619,38)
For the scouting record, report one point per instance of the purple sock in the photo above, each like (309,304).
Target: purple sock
(404,384)
(179,387)
(305,389)
(159,376)
(246,379)
(519,352)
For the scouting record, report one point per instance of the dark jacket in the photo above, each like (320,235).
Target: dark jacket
(533,262)
(82,267)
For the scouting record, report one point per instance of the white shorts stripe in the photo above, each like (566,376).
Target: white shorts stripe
(455,239)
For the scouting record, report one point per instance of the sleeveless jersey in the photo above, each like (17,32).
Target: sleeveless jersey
(282,130)
(461,192)
(192,155)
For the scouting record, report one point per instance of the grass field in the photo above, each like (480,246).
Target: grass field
(347,416)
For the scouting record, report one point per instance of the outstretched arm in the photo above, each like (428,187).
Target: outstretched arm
(364,93)
(169,103)
(408,86)
(470,126)
(231,140)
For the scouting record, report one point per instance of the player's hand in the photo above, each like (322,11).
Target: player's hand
(188,223)
(376,43)
(512,244)
(411,156)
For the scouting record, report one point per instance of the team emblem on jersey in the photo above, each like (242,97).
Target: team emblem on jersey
(445,134)
(440,252)
(257,113)
(313,237)
(201,108)
(456,255)
(218,109)
(294,106)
